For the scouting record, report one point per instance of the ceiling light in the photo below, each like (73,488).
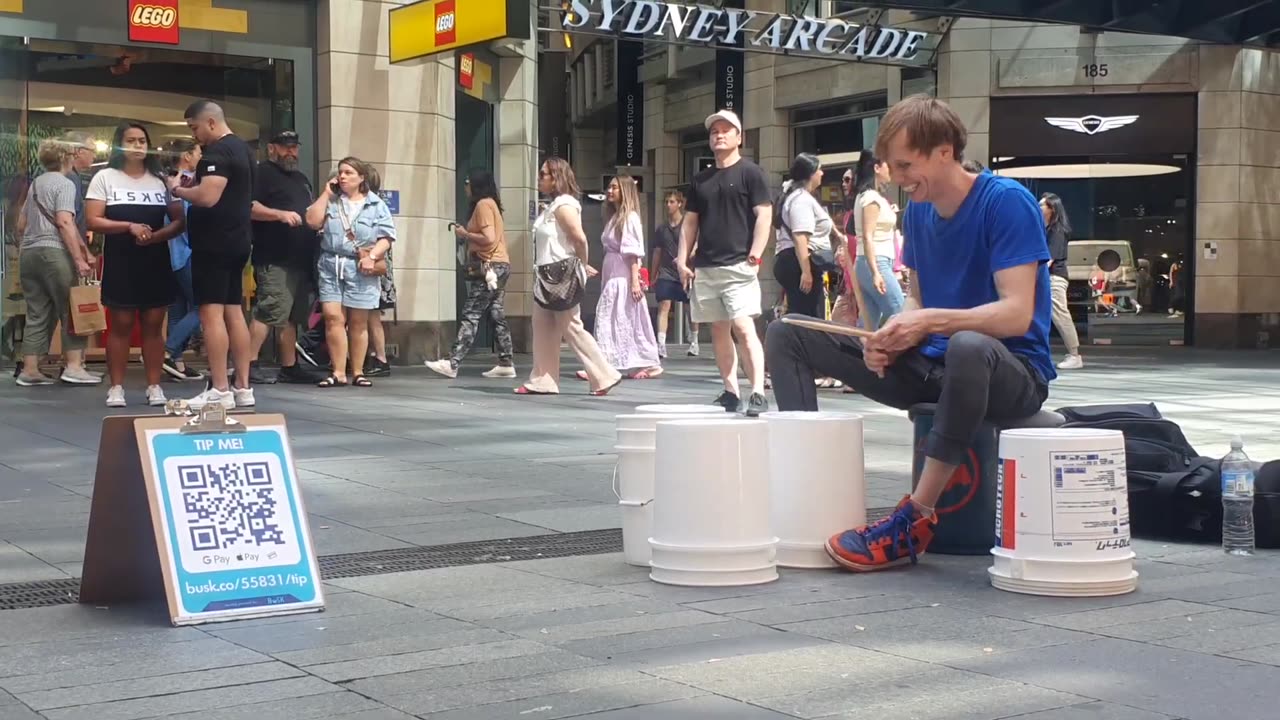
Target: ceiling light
(1086,171)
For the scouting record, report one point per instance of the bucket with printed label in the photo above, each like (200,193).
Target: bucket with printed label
(1062,514)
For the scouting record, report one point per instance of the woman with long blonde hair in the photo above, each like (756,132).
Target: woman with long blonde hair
(623,328)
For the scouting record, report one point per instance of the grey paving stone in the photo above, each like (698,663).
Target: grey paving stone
(318,631)
(1127,614)
(459,587)
(539,602)
(1197,624)
(706,646)
(666,641)
(1164,680)
(36,626)
(339,602)
(408,662)
(587,702)
(986,704)
(783,614)
(1094,711)
(198,700)
(429,700)
(19,565)
(1268,603)
(169,683)
(627,624)
(39,667)
(1267,655)
(885,693)
(628,607)
(573,519)
(392,646)
(699,708)
(324,706)
(1224,641)
(551,661)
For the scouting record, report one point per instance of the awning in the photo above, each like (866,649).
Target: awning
(1232,22)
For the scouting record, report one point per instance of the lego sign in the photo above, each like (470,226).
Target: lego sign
(154,21)
(446,23)
(421,29)
(467,70)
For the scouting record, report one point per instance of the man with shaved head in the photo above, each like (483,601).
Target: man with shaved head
(218,225)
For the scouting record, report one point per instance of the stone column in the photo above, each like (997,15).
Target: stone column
(400,118)
(517,164)
(1237,293)
(964,81)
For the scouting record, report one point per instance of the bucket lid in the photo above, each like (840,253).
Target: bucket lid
(675,409)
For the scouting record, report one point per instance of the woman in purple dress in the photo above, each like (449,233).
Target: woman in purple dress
(623,328)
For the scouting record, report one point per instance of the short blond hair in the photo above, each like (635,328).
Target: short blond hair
(53,154)
(929,123)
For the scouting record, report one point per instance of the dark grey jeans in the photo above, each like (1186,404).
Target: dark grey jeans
(978,379)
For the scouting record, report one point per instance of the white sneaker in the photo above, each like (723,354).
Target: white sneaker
(80,376)
(1071,362)
(446,368)
(225,398)
(499,371)
(693,349)
(662,350)
(244,397)
(115,397)
(155,396)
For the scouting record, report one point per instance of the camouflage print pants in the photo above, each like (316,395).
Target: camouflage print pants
(480,299)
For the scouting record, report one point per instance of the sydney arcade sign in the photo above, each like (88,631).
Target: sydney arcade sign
(750,30)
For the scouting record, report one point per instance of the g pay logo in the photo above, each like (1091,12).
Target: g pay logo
(154,16)
(446,23)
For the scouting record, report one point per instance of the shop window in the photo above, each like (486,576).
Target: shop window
(1137,213)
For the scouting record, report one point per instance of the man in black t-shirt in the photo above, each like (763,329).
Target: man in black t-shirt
(219,230)
(284,256)
(729,219)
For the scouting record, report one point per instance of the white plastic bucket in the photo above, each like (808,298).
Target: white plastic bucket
(817,482)
(1062,514)
(711,526)
(676,409)
(633,477)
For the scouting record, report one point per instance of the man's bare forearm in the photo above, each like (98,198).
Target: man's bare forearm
(1004,318)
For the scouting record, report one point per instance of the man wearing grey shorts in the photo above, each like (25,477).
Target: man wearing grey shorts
(726,226)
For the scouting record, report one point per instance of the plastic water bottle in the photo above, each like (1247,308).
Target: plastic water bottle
(1237,501)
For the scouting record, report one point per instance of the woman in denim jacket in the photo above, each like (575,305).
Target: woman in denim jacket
(350,216)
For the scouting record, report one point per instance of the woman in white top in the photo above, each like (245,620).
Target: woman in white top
(803,243)
(558,236)
(876,224)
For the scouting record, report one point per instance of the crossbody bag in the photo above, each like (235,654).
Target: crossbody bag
(362,252)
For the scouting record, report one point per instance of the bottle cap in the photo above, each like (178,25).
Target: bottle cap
(1237,443)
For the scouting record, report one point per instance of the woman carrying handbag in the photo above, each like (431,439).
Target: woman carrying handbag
(561,271)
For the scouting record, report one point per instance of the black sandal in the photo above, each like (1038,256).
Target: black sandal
(361,381)
(331,381)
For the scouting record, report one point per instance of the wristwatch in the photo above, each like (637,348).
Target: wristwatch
(753,260)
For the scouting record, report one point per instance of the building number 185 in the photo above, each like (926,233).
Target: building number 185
(1094,70)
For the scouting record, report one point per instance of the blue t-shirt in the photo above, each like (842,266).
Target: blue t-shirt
(998,226)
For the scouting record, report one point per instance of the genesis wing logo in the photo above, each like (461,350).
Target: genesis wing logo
(1091,124)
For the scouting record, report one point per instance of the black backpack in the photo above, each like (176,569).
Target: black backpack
(1173,491)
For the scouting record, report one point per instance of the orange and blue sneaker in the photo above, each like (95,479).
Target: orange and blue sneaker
(900,538)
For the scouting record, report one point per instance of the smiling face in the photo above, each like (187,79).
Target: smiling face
(134,144)
(349,180)
(916,172)
(724,137)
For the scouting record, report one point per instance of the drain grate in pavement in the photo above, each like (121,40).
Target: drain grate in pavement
(538,547)
(47,593)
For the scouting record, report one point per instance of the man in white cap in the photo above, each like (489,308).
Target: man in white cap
(726,227)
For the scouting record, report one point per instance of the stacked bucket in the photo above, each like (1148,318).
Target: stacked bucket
(711,499)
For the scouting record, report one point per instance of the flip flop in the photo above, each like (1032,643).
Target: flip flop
(331,382)
(581,375)
(605,391)
(648,374)
(361,381)
(522,390)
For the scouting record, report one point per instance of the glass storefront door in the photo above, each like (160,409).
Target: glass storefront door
(51,89)
(474,147)
(1130,253)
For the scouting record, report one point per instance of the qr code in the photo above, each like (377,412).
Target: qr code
(230,504)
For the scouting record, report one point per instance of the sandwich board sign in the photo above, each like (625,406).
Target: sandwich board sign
(227,525)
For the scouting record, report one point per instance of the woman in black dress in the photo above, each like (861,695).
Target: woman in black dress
(129,203)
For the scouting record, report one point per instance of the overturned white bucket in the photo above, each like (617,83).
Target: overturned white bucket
(1062,514)
(817,482)
(633,477)
(711,525)
(679,409)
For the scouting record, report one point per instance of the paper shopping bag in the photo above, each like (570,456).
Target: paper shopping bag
(87,315)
